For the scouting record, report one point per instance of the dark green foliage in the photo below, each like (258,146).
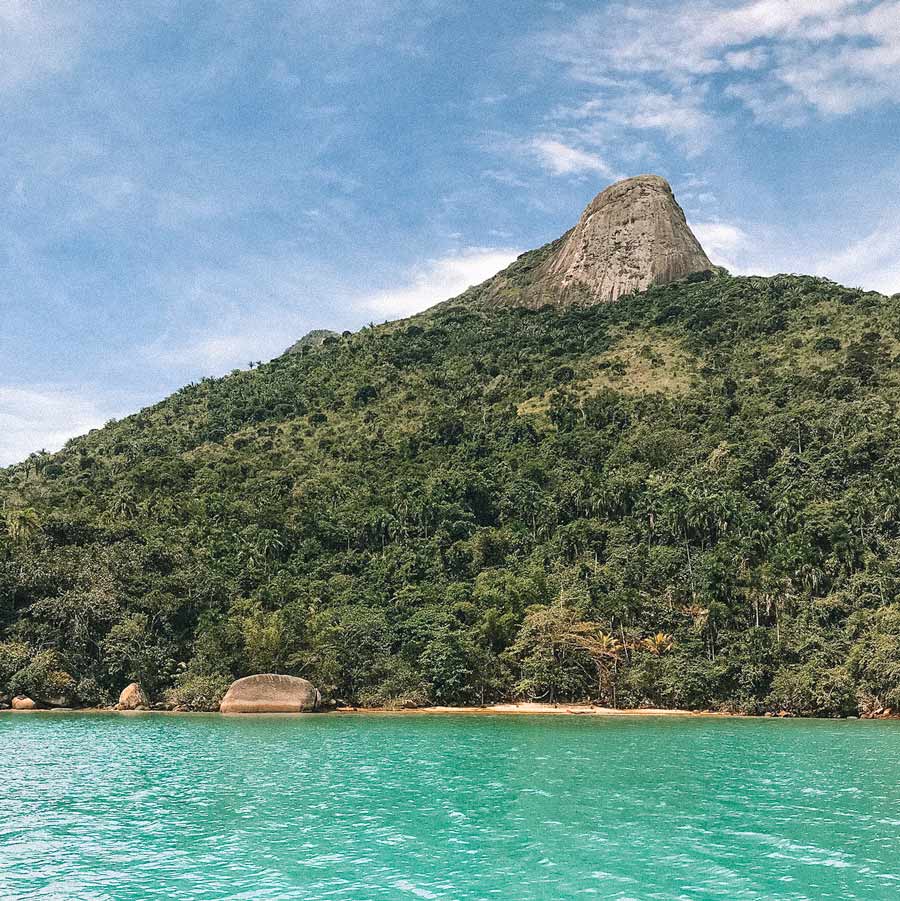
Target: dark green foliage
(398,514)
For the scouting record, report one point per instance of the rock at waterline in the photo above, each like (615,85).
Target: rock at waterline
(133,698)
(270,693)
(22,703)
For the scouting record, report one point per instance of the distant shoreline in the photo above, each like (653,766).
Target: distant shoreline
(531,708)
(523,709)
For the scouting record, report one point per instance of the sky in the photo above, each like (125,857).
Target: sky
(190,186)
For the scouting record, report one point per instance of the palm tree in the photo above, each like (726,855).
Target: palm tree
(604,649)
(658,644)
(22,524)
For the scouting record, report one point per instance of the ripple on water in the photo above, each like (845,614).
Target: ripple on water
(99,808)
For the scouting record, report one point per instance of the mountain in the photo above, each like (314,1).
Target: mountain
(689,497)
(631,236)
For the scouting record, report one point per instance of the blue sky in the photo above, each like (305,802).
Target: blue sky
(190,186)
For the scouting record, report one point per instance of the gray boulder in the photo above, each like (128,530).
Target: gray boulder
(270,693)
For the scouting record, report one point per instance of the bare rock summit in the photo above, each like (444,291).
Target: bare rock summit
(631,236)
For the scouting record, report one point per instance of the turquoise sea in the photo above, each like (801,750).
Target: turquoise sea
(461,807)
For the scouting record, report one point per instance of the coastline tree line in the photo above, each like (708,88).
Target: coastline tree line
(689,498)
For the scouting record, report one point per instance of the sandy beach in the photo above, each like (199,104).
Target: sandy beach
(534,708)
(525,708)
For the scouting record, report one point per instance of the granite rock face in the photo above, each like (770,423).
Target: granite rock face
(20,702)
(270,693)
(631,236)
(133,698)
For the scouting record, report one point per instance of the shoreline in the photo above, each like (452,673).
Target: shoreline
(506,709)
(533,708)
(523,709)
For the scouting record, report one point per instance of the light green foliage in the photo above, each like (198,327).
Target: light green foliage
(813,688)
(549,661)
(875,659)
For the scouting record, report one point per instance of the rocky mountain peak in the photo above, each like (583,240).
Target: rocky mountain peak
(631,236)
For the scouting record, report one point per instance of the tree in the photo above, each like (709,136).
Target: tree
(658,644)
(555,650)
(22,524)
(392,515)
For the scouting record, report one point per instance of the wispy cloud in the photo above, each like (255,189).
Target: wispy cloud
(222,317)
(37,39)
(723,242)
(42,418)
(255,308)
(746,248)
(778,58)
(872,262)
(560,159)
(624,106)
(437,280)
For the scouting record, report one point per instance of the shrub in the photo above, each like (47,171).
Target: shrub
(874,659)
(399,686)
(90,694)
(364,394)
(198,691)
(14,656)
(811,689)
(44,679)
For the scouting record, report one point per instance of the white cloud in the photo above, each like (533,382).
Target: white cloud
(258,307)
(217,353)
(725,244)
(755,58)
(831,57)
(873,262)
(37,39)
(630,104)
(42,418)
(614,121)
(437,280)
(561,159)
(748,250)
(719,237)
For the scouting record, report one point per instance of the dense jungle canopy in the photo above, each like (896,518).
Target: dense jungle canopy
(689,498)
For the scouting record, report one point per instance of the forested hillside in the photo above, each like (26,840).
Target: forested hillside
(688,498)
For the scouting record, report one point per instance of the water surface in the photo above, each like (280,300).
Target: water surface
(361,807)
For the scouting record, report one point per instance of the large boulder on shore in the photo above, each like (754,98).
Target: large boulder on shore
(133,698)
(270,693)
(20,702)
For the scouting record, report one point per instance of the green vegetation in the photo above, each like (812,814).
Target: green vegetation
(688,498)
